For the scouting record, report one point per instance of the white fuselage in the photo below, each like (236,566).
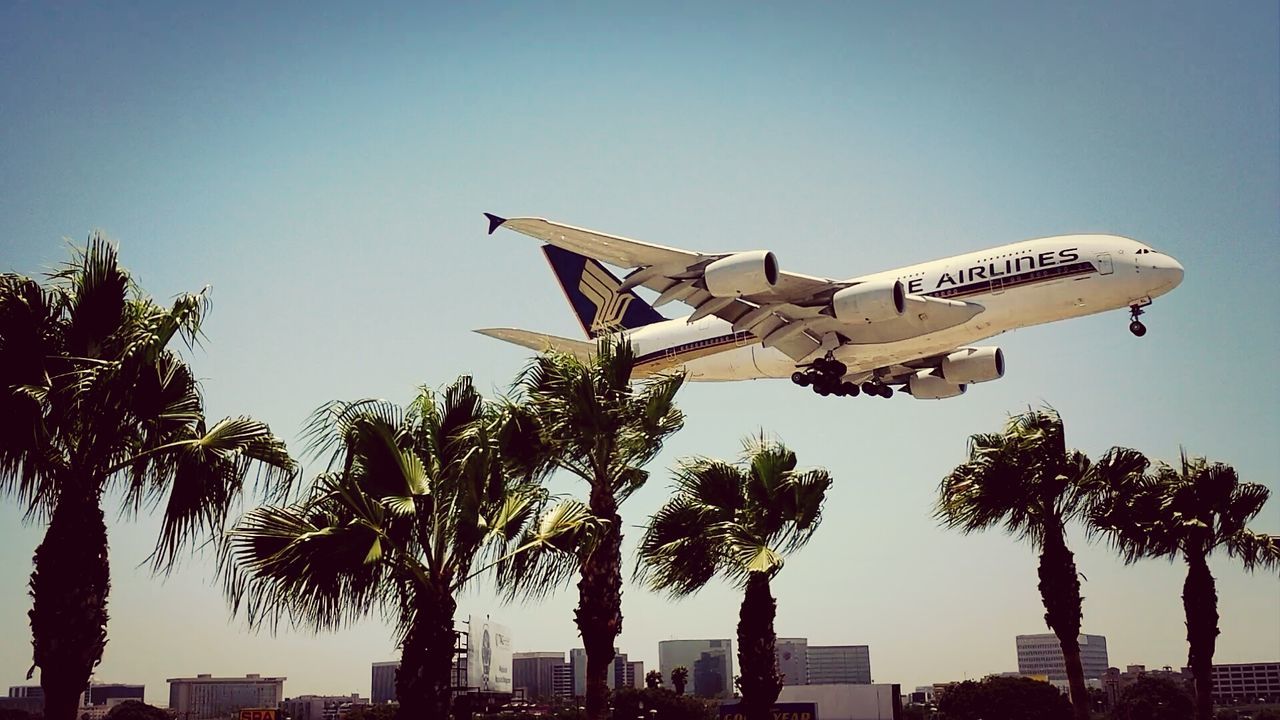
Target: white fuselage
(1018,285)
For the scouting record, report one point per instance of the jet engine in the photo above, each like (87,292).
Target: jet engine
(744,273)
(924,386)
(973,365)
(870,302)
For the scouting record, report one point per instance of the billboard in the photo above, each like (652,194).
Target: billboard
(488,655)
(258,714)
(781,711)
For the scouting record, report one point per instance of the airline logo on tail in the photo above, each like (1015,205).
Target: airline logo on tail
(593,292)
(602,290)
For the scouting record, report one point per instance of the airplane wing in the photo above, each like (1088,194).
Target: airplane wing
(792,313)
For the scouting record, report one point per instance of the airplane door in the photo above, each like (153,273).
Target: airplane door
(1105,266)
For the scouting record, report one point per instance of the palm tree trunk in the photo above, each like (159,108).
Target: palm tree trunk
(69,587)
(599,613)
(1200,601)
(759,681)
(1060,593)
(424,681)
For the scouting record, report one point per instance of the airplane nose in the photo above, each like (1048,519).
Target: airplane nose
(1173,269)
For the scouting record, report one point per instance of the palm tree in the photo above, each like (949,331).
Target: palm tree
(1189,512)
(653,679)
(94,401)
(1027,480)
(412,501)
(680,678)
(586,417)
(737,521)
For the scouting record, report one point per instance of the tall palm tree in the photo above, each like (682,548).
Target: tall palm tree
(586,417)
(94,401)
(680,678)
(1027,480)
(737,521)
(413,500)
(1189,512)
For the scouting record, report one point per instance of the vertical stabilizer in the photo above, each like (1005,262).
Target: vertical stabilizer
(593,292)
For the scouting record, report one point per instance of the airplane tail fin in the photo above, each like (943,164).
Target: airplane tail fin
(593,293)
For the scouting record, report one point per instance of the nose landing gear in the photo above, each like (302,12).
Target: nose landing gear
(1135,325)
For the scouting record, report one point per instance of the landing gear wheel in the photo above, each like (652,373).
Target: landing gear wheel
(1137,328)
(850,389)
(822,390)
(886,392)
(870,388)
(800,378)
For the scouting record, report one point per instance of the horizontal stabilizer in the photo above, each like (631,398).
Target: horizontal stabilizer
(541,342)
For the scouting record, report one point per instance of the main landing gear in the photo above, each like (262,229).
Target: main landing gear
(1135,325)
(825,376)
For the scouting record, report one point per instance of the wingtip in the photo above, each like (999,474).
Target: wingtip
(495,222)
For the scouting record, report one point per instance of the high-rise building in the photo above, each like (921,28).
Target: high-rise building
(621,674)
(562,680)
(383,688)
(321,707)
(633,676)
(710,665)
(832,664)
(1235,683)
(1041,654)
(206,697)
(793,660)
(533,671)
(104,693)
(31,692)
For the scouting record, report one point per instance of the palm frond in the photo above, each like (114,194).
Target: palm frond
(550,553)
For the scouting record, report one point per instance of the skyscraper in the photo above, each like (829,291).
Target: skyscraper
(710,664)
(839,664)
(533,671)
(1041,654)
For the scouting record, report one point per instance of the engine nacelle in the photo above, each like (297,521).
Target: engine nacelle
(973,365)
(744,273)
(869,302)
(924,386)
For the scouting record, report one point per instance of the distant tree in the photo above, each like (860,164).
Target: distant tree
(1152,698)
(660,704)
(1027,480)
(653,679)
(1267,714)
(135,710)
(384,711)
(1004,698)
(680,678)
(97,405)
(1226,714)
(738,521)
(1188,513)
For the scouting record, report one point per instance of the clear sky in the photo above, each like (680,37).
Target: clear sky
(324,167)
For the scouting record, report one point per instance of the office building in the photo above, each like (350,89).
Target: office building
(321,707)
(1240,683)
(633,674)
(710,665)
(562,680)
(206,697)
(1041,654)
(29,692)
(383,687)
(620,675)
(838,664)
(793,660)
(104,693)
(533,671)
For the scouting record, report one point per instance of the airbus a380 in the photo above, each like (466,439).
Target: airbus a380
(913,328)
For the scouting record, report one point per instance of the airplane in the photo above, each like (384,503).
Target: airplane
(913,328)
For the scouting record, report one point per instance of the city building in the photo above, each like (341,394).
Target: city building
(205,696)
(383,687)
(1040,654)
(838,664)
(321,707)
(30,692)
(104,693)
(562,680)
(793,660)
(710,664)
(622,675)
(1240,683)
(534,671)
(633,675)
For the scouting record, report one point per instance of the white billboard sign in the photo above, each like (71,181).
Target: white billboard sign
(488,655)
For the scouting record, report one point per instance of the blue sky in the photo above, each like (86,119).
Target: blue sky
(324,167)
